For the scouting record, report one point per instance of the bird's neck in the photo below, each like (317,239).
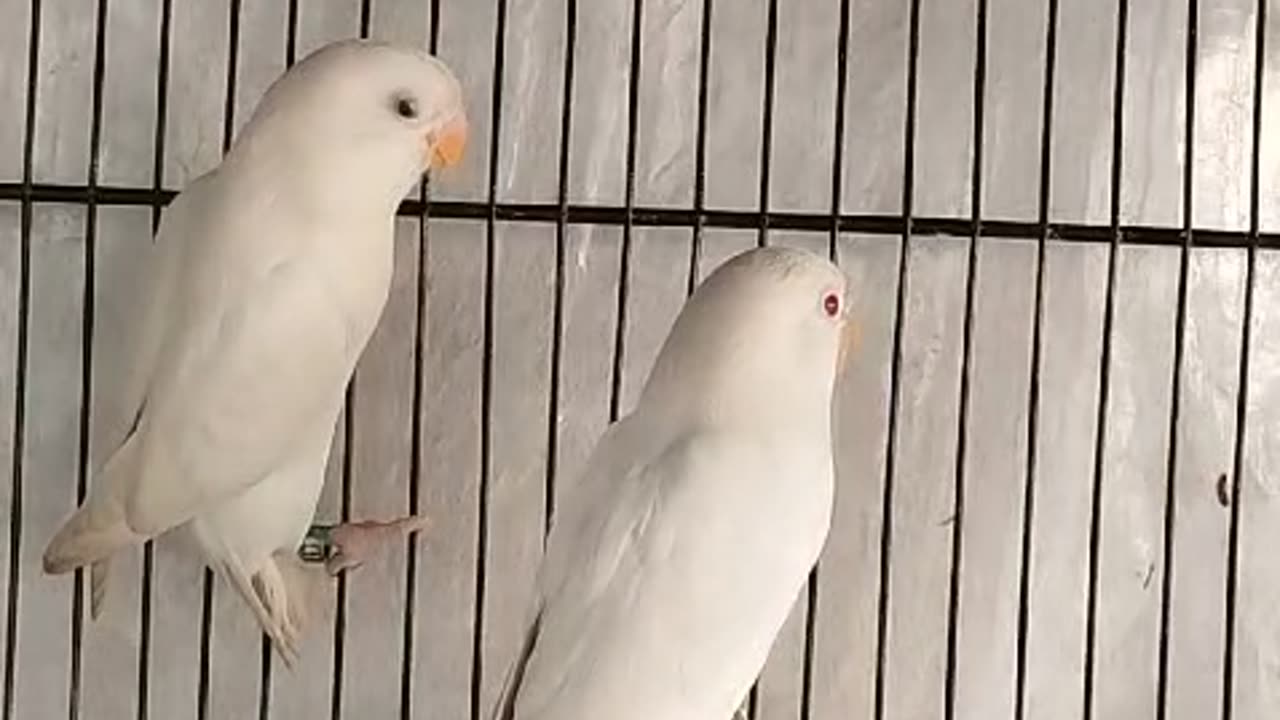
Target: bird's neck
(326,187)
(759,403)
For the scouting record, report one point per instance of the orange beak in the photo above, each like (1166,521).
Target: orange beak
(445,145)
(850,338)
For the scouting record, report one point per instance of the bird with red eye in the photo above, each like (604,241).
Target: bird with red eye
(831,304)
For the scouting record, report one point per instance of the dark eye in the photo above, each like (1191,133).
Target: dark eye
(407,108)
(831,304)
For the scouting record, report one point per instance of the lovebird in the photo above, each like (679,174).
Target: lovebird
(670,570)
(272,272)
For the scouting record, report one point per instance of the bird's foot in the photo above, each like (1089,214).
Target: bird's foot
(350,545)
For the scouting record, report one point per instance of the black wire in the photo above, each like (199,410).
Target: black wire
(413,497)
(1037,344)
(1175,407)
(348,469)
(813,593)
(86,345)
(766,171)
(20,392)
(1242,384)
(340,612)
(557,320)
(817,222)
(337,690)
(148,548)
(486,379)
(1104,365)
(415,461)
(628,216)
(907,228)
(763,223)
(291,34)
(966,348)
(700,145)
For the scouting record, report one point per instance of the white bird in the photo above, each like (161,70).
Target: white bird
(272,273)
(700,515)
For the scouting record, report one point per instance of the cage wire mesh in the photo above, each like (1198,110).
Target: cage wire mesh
(1056,450)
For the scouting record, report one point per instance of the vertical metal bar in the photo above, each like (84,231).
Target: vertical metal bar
(86,341)
(208,578)
(766,146)
(340,613)
(292,20)
(762,218)
(148,548)
(415,458)
(233,59)
(206,595)
(228,133)
(628,220)
(966,350)
(1175,406)
(557,311)
(20,403)
(837,159)
(486,378)
(1104,367)
(348,465)
(415,469)
(1037,343)
(264,683)
(833,244)
(291,34)
(895,367)
(1242,391)
(700,146)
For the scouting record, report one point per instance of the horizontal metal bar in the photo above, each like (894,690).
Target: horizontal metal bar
(680,217)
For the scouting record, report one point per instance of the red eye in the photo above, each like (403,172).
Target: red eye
(831,304)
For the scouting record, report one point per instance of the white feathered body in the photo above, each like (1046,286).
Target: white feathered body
(676,559)
(656,607)
(268,277)
(254,317)
(263,333)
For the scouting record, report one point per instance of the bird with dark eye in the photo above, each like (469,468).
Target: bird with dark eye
(406,107)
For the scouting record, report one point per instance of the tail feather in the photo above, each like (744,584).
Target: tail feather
(277,596)
(302,585)
(506,705)
(97,529)
(98,587)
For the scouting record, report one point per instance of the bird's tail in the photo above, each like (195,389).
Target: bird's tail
(97,529)
(506,706)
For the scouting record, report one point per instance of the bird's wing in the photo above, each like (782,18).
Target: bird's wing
(637,569)
(98,527)
(610,456)
(146,290)
(254,351)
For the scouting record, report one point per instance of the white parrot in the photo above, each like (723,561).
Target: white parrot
(273,270)
(669,573)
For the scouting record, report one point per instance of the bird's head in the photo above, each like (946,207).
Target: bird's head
(358,118)
(765,333)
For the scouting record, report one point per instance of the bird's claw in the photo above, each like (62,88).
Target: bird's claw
(350,545)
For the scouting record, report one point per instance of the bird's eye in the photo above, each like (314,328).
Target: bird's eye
(831,304)
(406,108)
